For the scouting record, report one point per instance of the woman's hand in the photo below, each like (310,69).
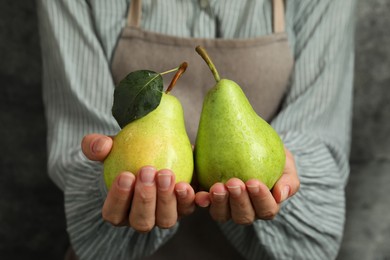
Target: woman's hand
(246,202)
(149,199)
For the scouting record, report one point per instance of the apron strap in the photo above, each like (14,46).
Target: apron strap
(134,13)
(278,16)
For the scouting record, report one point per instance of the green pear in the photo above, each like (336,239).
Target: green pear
(232,140)
(158,139)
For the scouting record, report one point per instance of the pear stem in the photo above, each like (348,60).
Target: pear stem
(182,68)
(203,53)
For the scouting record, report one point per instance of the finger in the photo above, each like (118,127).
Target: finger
(185,196)
(142,215)
(219,207)
(96,147)
(116,206)
(288,184)
(263,202)
(166,210)
(240,205)
(202,199)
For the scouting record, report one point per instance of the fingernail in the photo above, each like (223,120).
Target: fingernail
(182,193)
(234,190)
(147,176)
(253,189)
(284,193)
(125,181)
(164,181)
(98,145)
(219,196)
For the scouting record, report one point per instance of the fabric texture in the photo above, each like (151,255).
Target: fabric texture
(261,66)
(78,39)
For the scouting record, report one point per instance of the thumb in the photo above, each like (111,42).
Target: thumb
(96,147)
(288,184)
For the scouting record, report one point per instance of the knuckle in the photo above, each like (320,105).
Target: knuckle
(185,211)
(165,201)
(112,219)
(244,220)
(166,224)
(269,215)
(241,204)
(147,198)
(220,218)
(120,196)
(143,227)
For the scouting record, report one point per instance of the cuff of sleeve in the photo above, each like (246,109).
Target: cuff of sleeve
(309,224)
(90,235)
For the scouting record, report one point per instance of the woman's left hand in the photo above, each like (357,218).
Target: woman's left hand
(246,202)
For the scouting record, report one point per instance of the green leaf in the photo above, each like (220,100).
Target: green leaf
(136,95)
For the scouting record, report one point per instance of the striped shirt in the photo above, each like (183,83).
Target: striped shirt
(78,38)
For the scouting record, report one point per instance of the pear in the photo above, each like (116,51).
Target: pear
(232,140)
(158,139)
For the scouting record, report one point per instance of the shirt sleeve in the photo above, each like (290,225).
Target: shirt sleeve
(78,90)
(314,124)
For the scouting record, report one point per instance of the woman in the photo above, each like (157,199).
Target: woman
(295,67)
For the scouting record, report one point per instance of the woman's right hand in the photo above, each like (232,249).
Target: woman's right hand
(144,201)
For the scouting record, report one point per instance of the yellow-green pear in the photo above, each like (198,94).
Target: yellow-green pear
(232,140)
(158,139)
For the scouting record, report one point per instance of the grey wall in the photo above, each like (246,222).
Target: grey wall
(31,207)
(32,223)
(367,232)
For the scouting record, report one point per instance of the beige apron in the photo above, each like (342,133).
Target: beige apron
(261,66)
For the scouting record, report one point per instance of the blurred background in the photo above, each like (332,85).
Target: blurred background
(32,222)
